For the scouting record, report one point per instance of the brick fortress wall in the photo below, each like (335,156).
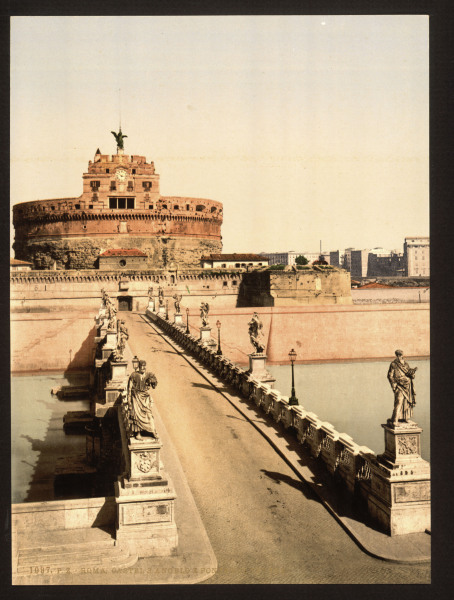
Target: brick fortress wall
(120,207)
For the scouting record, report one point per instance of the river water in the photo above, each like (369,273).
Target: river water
(37,436)
(356,397)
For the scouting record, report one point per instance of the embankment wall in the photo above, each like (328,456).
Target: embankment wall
(328,333)
(64,340)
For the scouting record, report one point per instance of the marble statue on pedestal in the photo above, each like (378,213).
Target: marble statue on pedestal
(256,333)
(401,377)
(177,298)
(105,297)
(160,296)
(204,310)
(122,336)
(111,315)
(139,402)
(150,292)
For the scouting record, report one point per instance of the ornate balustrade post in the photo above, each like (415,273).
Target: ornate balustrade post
(287,412)
(276,405)
(348,462)
(300,423)
(267,398)
(314,434)
(330,450)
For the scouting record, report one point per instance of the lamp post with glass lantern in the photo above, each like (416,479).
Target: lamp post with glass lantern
(293,399)
(135,363)
(218,325)
(187,321)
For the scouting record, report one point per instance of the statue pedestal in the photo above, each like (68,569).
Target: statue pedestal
(178,319)
(100,317)
(162,311)
(257,368)
(205,336)
(400,482)
(145,498)
(118,370)
(111,339)
(108,397)
(150,304)
(102,329)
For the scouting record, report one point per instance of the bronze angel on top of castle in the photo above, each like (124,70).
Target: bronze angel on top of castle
(119,138)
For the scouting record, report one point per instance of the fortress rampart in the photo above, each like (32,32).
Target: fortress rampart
(120,207)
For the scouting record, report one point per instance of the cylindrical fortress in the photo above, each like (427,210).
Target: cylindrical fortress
(120,207)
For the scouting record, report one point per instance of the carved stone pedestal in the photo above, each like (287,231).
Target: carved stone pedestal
(112,391)
(162,311)
(150,304)
(118,370)
(205,336)
(178,319)
(145,499)
(111,339)
(257,369)
(400,482)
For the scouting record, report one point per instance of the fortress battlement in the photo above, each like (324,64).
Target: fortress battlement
(120,207)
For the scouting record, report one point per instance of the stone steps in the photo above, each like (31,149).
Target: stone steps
(72,550)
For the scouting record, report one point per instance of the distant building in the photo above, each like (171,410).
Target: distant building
(335,258)
(358,263)
(417,256)
(289,258)
(280,258)
(20,265)
(385,263)
(347,259)
(122,259)
(233,261)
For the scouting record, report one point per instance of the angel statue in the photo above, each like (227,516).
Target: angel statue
(122,336)
(119,138)
(204,309)
(160,296)
(139,402)
(256,333)
(177,298)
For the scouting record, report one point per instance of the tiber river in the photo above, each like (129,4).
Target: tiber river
(354,397)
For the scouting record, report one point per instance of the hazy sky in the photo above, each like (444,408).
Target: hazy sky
(305,128)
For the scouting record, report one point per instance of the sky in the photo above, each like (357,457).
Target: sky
(306,128)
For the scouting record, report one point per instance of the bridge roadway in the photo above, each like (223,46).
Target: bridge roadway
(264,524)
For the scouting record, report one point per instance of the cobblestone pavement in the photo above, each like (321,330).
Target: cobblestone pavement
(264,524)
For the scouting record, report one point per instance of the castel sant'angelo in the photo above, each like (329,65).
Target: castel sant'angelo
(120,207)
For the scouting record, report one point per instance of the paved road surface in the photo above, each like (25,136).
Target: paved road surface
(264,524)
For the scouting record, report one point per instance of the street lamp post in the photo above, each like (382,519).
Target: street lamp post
(167,310)
(187,321)
(135,363)
(218,325)
(293,399)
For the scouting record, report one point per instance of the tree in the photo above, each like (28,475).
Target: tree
(301,260)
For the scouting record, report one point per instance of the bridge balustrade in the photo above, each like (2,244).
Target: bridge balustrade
(342,457)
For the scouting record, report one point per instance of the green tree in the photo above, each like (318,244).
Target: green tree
(301,260)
